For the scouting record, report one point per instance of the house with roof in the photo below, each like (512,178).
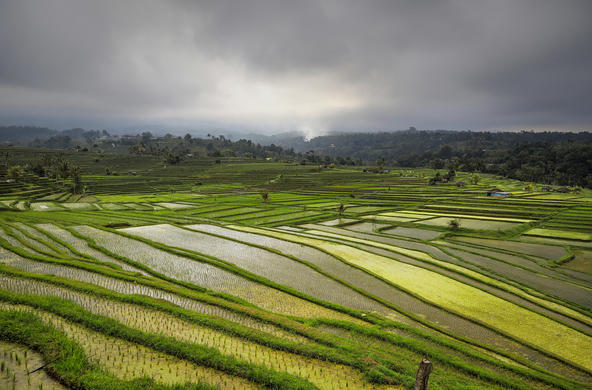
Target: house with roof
(498,193)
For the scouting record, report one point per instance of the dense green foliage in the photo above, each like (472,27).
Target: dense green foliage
(549,157)
(553,158)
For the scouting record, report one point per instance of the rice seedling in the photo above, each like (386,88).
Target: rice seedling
(320,259)
(528,280)
(338,221)
(270,265)
(420,234)
(83,247)
(209,276)
(127,360)
(79,206)
(138,206)
(290,228)
(46,206)
(520,268)
(28,242)
(261,214)
(231,212)
(365,209)
(280,218)
(175,206)
(490,313)
(387,218)
(455,215)
(16,363)
(405,214)
(35,234)
(112,206)
(14,242)
(466,300)
(366,227)
(545,251)
(406,303)
(544,283)
(554,242)
(129,288)
(466,223)
(319,372)
(554,233)
(582,262)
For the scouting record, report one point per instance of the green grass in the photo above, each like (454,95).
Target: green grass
(554,233)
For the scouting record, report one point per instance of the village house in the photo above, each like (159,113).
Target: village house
(498,193)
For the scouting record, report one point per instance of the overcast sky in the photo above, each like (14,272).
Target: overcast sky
(276,66)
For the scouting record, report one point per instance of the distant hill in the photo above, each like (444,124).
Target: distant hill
(399,145)
(48,138)
(24,134)
(545,157)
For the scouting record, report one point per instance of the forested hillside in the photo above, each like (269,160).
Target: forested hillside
(548,157)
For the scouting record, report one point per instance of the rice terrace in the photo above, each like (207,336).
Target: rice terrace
(237,273)
(295,195)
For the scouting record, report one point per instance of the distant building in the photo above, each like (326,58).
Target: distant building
(497,192)
(546,189)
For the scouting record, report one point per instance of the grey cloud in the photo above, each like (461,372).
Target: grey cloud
(270,65)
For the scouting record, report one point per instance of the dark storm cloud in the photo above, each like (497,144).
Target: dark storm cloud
(311,65)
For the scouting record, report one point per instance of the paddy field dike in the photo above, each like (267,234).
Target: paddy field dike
(188,278)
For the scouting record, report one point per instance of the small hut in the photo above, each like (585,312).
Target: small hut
(498,193)
(563,190)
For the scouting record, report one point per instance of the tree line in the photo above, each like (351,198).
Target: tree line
(53,167)
(546,157)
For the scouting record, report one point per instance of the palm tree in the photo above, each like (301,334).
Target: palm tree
(15,172)
(63,169)
(77,177)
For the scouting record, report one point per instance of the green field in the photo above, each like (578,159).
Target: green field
(188,277)
(554,233)
(473,224)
